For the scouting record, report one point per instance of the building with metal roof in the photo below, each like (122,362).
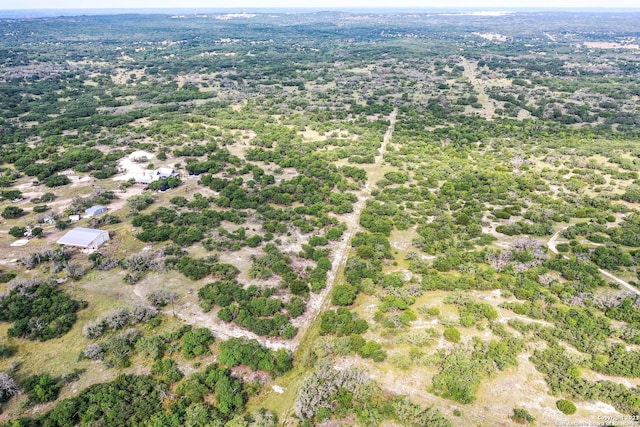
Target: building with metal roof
(95,210)
(85,238)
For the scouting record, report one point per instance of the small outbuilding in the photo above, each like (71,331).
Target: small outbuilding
(88,239)
(95,210)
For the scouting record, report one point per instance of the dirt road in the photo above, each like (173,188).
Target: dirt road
(340,254)
(192,314)
(553,242)
(488,107)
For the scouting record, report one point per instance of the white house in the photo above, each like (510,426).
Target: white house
(88,239)
(155,175)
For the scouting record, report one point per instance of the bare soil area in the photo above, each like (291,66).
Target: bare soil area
(132,166)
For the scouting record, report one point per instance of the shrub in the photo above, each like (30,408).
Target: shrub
(289,331)
(42,388)
(17,232)
(410,414)
(8,387)
(6,277)
(63,224)
(46,197)
(196,342)
(459,377)
(167,370)
(6,351)
(372,350)
(39,310)
(400,361)
(341,322)
(566,406)
(118,348)
(452,335)
(56,180)
(140,202)
(343,295)
(393,280)
(93,352)
(12,212)
(521,416)
(296,306)
(161,297)
(243,351)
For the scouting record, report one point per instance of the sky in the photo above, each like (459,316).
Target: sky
(322,4)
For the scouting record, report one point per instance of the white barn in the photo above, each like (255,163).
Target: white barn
(85,238)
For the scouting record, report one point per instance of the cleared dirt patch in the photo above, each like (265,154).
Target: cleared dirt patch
(133,166)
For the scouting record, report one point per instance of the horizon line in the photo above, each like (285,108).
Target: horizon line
(332,8)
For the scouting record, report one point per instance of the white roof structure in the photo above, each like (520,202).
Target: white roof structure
(156,174)
(165,172)
(86,238)
(95,210)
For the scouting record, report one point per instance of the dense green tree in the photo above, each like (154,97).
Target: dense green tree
(343,294)
(39,311)
(42,388)
(11,212)
(196,342)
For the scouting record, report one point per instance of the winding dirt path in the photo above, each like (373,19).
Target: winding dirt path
(553,242)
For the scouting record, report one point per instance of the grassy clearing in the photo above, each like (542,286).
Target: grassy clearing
(282,404)
(59,356)
(498,395)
